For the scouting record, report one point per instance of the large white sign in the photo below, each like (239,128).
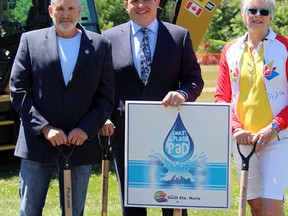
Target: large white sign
(177,157)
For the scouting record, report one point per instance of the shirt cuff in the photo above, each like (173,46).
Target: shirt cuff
(183,93)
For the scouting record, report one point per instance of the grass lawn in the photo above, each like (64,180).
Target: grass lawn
(9,168)
(9,200)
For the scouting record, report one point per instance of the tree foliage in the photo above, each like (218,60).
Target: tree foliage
(111,13)
(280,23)
(227,23)
(167,13)
(21,10)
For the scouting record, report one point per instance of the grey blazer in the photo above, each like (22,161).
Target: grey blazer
(40,97)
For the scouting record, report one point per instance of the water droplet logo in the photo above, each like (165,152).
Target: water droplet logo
(178,145)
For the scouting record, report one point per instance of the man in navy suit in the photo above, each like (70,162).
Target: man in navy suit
(62,87)
(174,74)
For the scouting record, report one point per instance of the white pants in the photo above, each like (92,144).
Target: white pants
(268,169)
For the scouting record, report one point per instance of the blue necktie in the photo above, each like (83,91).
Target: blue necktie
(145,56)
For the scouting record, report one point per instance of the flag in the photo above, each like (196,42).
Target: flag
(194,8)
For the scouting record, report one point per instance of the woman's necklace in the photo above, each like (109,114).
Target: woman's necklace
(253,49)
(251,67)
(254,57)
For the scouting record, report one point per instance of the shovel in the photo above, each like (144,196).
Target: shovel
(244,180)
(105,173)
(67,181)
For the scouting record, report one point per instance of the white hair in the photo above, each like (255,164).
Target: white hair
(53,2)
(269,3)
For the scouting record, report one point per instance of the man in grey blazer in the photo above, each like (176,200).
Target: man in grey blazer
(62,87)
(175,75)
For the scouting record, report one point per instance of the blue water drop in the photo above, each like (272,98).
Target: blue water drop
(178,145)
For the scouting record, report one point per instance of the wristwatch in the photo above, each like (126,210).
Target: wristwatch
(275,127)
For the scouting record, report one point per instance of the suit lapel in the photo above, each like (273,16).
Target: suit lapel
(124,54)
(161,45)
(86,49)
(125,40)
(52,49)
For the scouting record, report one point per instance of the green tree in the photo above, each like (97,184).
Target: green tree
(111,13)
(280,21)
(227,23)
(167,13)
(20,11)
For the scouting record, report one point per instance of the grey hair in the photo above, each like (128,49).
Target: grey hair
(269,3)
(52,2)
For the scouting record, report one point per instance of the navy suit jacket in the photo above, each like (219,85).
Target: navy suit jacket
(40,96)
(174,67)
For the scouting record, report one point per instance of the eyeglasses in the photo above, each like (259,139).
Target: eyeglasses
(254,11)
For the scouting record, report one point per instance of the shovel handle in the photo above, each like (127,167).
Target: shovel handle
(104,197)
(67,182)
(177,212)
(243,193)
(244,179)
(67,192)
